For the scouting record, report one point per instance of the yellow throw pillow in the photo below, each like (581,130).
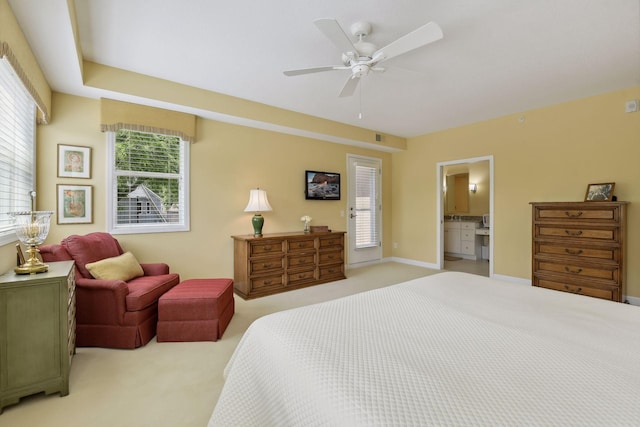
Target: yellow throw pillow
(124,267)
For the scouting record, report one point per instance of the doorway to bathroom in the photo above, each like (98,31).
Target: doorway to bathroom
(465,241)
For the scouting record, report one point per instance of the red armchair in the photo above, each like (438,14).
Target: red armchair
(111,313)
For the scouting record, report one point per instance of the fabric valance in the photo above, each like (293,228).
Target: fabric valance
(33,81)
(116,115)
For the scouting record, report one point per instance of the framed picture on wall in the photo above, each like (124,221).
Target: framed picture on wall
(74,161)
(75,204)
(321,185)
(600,192)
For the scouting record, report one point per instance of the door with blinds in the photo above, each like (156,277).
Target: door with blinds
(364,209)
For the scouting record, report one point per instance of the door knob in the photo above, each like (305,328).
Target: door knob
(352,216)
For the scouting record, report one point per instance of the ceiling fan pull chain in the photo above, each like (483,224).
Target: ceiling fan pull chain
(360,99)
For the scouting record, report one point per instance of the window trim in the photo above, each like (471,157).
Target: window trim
(112,206)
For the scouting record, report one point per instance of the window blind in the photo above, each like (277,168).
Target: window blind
(367,213)
(17,148)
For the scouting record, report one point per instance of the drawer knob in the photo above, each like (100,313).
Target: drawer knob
(266,282)
(330,257)
(573,215)
(266,265)
(573,232)
(573,251)
(574,291)
(576,271)
(267,248)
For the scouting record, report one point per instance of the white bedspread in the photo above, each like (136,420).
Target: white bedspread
(447,349)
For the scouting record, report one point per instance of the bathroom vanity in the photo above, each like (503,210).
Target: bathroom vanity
(460,238)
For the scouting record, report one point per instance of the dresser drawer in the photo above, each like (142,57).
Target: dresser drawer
(600,272)
(258,266)
(301,276)
(606,253)
(301,245)
(583,233)
(575,288)
(331,241)
(335,271)
(265,247)
(589,213)
(331,257)
(267,282)
(304,260)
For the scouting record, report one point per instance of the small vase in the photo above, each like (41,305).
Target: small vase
(306,227)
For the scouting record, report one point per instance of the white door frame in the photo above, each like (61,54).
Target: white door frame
(375,252)
(440,206)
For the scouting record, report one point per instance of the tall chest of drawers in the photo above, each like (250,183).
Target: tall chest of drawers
(37,332)
(579,247)
(285,261)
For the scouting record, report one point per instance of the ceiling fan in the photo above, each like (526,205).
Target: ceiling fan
(362,57)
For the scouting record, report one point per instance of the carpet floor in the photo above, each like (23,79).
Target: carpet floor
(175,384)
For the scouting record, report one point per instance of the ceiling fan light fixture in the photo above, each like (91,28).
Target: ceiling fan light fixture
(359,70)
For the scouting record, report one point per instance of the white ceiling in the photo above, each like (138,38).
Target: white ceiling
(497,57)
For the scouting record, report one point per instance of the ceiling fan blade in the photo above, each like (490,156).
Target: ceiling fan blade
(313,70)
(334,32)
(428,33)
(349,87)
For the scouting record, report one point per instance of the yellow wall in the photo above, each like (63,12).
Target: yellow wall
(226,162)
(551,156)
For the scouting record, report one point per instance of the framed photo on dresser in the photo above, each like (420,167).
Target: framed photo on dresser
(600,192)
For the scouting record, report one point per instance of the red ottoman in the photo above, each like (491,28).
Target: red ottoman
(195,310)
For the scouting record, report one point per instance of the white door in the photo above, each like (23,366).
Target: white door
(364,209)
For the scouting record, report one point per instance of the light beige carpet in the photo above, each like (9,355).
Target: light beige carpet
(174,384)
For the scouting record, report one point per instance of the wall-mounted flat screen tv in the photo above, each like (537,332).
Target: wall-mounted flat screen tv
(321,185)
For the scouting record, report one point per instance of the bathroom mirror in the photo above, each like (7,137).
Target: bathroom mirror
(457,193)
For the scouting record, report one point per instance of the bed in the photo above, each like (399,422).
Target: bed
(447,349)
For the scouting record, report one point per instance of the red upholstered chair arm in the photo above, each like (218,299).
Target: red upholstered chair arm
(52,253)
(100,301)
(155,269)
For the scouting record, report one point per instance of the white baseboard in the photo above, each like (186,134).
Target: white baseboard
(631,300)
(367,263)
(414,262)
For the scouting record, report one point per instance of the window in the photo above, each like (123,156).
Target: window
(149,191)
(17,149)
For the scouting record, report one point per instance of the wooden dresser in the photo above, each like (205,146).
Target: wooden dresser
(37,332)
(281,262)
(579,247)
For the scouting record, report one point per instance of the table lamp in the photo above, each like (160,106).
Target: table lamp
(32,228)
(258,202)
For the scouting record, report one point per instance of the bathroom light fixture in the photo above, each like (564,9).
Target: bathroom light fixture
(258,202)
(473,188)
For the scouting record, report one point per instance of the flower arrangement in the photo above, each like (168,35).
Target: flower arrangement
(306,219)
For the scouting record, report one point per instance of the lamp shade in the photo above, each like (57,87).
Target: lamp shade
(258,201)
